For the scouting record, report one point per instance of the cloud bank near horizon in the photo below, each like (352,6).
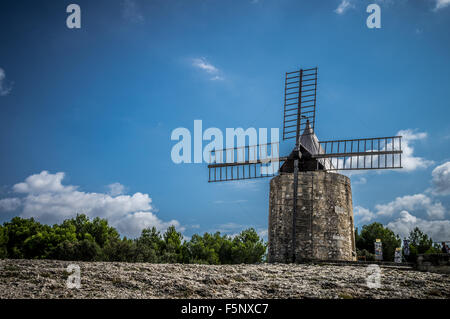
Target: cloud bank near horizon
(44,197)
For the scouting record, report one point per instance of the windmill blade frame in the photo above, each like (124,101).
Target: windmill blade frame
(245,162)
(361,153)
(309,154)
(300,96)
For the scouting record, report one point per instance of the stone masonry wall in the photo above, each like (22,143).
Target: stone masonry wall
(324,223)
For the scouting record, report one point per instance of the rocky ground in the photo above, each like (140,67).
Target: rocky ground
(47,279)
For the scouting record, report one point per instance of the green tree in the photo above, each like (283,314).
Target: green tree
(361,252)
(82,239)
(119,250)
(226,250)
(44,244)
(203,249)
(18,231)
(172,249)
(420,240)
(420,243)
(66,250)
(87,250)
(3,242)
(370,233)
(248,248)
(149,246)
(102,232)
(97,229)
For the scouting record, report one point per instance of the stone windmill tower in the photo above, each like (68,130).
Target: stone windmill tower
(310,204)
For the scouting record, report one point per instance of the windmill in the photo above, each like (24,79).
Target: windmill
(309,154)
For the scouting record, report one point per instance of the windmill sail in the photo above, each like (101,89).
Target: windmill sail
(362,153)
(247,162)
(309,154)
(299,102)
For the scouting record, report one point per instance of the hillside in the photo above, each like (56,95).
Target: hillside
(47,279)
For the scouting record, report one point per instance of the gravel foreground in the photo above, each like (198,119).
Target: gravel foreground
(47,279)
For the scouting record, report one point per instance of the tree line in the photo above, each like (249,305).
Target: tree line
(419,242)
(83,239)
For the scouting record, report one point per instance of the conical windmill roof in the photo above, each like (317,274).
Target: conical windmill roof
(310,142)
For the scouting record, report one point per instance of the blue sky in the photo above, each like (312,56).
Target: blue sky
(86,114)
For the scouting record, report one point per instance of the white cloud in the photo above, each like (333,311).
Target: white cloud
(116,189)
(49,201)
(415,202)
(441,4)
(363,214)
(441,179)
(409,202)
(436,211)
(409,161)
(204,65)
(408,206)
(43,182)
(344,6)
(134,223)
(439,230)
(418,202)
(4,89)
(10,204)
(132,12)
